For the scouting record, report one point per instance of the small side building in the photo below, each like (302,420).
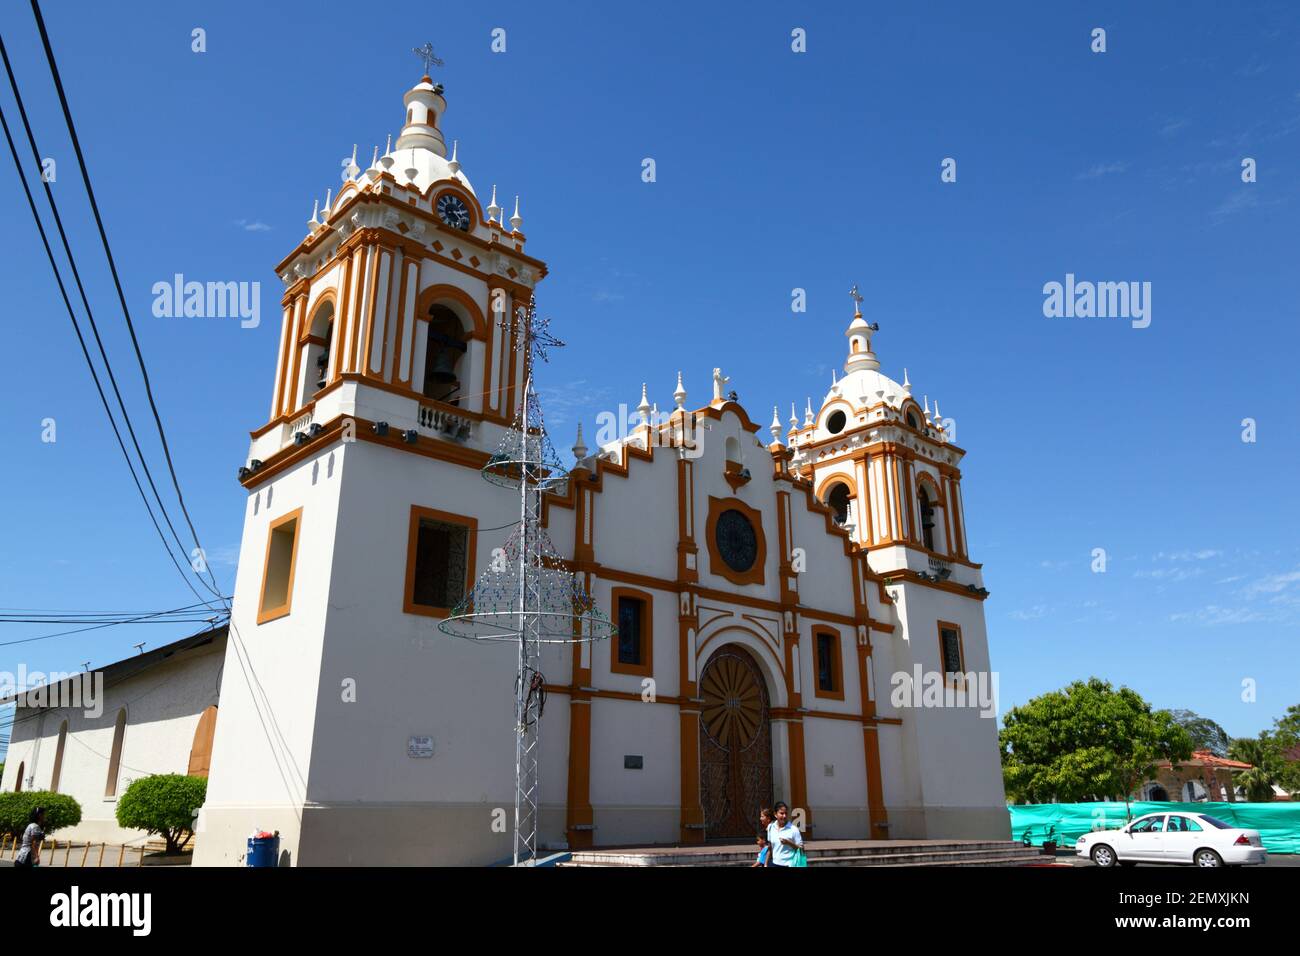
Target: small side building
(1202,777)
(90,735)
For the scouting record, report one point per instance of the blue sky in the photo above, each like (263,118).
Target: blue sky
(775,171)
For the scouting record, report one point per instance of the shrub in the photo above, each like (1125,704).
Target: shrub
(164,804)
(16,808)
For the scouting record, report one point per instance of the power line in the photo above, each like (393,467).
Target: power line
(85,301)
(117,282)
(81,340)
(95,627)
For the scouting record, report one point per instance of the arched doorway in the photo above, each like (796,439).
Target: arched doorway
(735,744)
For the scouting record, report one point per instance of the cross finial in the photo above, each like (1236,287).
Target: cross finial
(425,53)
(856,296)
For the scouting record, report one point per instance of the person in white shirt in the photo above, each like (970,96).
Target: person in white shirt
(783,837)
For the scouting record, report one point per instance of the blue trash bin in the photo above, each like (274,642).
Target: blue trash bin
(263,851)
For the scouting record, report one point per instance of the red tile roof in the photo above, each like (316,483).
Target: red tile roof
(1203,758)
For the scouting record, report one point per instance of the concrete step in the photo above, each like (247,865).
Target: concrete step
(830,853)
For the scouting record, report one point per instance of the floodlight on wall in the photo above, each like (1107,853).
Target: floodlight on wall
(255,464)
(316,429)
(945,574)
(410,436)
(380,428)
(244,472)
(300,438)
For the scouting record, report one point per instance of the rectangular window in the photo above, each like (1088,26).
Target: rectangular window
(826,648)
(630,612)
(633,647)
(439,561)
(951,649)
(277,575)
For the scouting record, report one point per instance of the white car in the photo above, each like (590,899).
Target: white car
(1183,837)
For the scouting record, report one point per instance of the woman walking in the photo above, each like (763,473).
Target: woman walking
(29,854)
(784,838)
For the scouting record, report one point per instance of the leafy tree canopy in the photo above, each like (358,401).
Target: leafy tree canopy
(1205,733)
(1087,741)
(164,804)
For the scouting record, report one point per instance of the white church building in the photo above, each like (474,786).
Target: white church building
(766,588)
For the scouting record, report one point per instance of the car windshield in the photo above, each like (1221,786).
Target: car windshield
(1216,822)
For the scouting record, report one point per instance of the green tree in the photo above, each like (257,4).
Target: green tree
(163,804)
(1287,727)
(1264,754)
(1086,741)
(1205,733)
(16,808)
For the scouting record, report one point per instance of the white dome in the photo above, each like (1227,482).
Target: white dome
(860,390)
(429,167)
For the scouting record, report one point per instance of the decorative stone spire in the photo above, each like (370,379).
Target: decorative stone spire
(411,171)
(859,334)
(644,408)
(424,105)
(314,222)
(794,419)
(351,169)
(387,159)
(679,396)
(907,386)
(808,413)
(579,447)
(375,169)
(775,427)
(493,210)
(453,164)
(516,220)
(927,408)
(328,196)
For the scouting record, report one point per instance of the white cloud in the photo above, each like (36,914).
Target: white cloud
(1103,169)
(252,226)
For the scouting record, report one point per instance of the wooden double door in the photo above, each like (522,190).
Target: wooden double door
(735,744)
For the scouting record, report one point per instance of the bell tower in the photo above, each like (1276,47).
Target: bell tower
(396,374)
(397,294)
(888,468)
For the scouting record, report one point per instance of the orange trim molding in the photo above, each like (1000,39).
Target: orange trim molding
(412,542)
(644,668)
(755,574)
(837,664)
(265,613)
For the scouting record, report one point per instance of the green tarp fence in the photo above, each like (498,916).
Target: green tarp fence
(1278,823)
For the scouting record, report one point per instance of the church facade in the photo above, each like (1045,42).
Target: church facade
(769,594)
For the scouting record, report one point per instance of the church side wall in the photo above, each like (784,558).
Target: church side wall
(163,705)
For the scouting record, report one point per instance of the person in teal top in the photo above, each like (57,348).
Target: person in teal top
(764,848)
(784,838)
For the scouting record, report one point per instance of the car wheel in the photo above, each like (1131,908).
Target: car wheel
(1207,858)
(1103,855)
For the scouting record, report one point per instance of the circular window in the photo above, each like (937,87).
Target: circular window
(835,424)
(737,543)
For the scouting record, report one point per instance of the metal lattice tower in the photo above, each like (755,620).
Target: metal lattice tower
(526,595)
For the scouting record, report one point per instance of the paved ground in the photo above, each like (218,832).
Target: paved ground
(1274,859)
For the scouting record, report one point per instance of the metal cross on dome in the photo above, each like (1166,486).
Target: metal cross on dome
(425,53)
(856,296)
